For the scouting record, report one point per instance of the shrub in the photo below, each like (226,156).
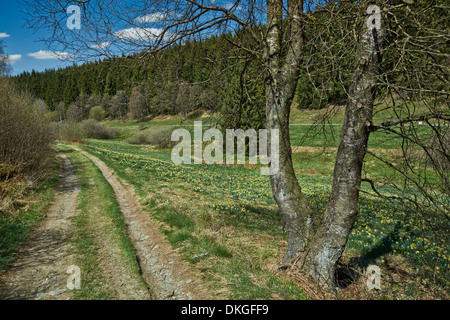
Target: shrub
(7,171)
(95,130)
(25,134)
(97,113)
(52,116)
(160,138)
(25,145)
(140,138)
(69,131)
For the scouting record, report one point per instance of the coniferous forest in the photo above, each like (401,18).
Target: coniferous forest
(177,80)
(208,75)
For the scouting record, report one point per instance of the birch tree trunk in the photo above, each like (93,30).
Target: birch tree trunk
(341,212)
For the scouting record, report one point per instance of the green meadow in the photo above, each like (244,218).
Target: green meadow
(224,220)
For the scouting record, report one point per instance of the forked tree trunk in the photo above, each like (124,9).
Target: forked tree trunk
(341,212)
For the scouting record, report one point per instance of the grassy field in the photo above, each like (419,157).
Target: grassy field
(226,223)
(199,217)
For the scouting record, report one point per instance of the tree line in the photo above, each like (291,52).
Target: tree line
(208,74)
(176,81)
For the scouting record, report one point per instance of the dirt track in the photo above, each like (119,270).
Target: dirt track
(160,265)
(40,268)
(39,271)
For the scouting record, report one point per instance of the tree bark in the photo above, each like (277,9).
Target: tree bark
(287,192)
(340,214)
(280,84)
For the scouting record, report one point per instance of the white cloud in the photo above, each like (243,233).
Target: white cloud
(229,6)
(157,17)
(102,45)
(4,35)
(13,58)
(141,34)
(153,17)
(47,55)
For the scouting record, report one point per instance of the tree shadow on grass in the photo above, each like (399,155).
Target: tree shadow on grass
(350,272)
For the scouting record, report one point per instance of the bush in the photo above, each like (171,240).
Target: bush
(140,138)
(25,134)
(97,113)
(95,130)
(52,116)
(7,171)
(69,131)
(160,138)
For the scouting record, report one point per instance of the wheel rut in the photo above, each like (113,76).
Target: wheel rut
(39,270)
(167,277)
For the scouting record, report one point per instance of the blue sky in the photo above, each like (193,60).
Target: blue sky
(26,52)
(132,34)
(22,44)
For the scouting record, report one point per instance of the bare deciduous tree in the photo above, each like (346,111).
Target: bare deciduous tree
(4,68)
(119,105)
(340,214)
(138,103)
(73,113)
